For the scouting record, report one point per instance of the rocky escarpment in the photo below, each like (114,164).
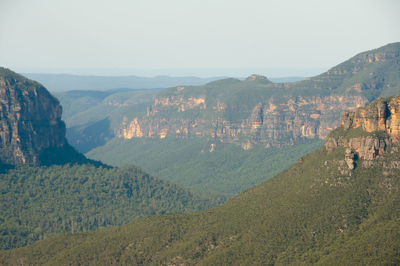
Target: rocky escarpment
(271,122)
(380,115)
(256,111)
(368,132)
(31,129)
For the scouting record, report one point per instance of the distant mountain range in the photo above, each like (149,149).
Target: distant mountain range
(68,82)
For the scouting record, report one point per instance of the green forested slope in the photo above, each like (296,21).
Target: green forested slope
(39,201)
(228,169)
(310,213)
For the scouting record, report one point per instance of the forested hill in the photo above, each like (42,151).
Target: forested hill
(37,202)
(337,206)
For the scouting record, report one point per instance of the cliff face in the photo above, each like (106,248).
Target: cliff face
(368,132)
(271,122)
(30,120)
(257,111)
(380,115)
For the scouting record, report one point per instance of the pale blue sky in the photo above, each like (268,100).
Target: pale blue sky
(184,35)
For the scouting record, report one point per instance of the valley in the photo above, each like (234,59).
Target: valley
(235,171)
(47,187)
(322,210)
(184,133)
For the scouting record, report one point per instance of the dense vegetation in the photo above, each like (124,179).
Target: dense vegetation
(39,201)
(310,213)
(228,169)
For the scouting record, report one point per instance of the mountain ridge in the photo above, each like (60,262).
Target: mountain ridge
(240,112)
(67,82)
(246,113)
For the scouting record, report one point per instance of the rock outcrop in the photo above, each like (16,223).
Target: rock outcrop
(380,115)
(258,78)
(367,132)
(31,129)
(349,158)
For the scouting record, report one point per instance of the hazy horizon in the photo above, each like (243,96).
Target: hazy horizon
(196,38)
(185,72)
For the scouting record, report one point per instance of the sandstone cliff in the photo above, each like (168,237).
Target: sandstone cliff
(31,129)
(368,132)
(270,122)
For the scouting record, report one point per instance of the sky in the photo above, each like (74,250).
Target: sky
(191,37)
